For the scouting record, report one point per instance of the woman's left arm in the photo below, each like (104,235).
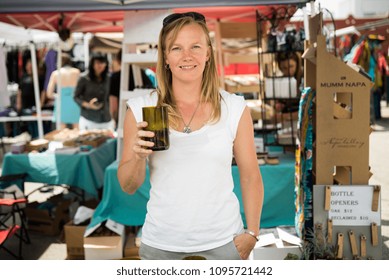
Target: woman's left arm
(250,182)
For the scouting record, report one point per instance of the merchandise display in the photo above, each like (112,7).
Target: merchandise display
(337,212)
(280,45)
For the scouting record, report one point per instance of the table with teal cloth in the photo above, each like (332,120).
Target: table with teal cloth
(84,170)
(130,210)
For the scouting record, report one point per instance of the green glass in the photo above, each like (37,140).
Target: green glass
(158,122)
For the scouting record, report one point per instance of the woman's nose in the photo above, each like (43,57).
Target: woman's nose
(187,54)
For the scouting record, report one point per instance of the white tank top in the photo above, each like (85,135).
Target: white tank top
(192,205)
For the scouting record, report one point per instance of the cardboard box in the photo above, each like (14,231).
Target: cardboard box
(274,253)
(131,250)
(37,145)
(74,237)
(50,216)
(107,246)
(271,248)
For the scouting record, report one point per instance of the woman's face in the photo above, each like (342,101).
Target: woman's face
(99,67)
(188,54)
(288,67)
(28,67)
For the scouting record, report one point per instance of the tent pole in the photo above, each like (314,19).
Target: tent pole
(36,89)
(58,105)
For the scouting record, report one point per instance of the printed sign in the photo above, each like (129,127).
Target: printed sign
(351,206)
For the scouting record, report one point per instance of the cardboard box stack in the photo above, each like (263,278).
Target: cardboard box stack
(48,217)
(104,241)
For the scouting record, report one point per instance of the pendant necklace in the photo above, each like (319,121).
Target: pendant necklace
(187,128)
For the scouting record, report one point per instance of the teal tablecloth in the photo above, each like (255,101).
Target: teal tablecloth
(84,170)
(278,209)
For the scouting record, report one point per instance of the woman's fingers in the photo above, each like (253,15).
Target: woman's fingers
(142,145)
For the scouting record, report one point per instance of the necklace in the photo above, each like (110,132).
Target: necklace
(187,128)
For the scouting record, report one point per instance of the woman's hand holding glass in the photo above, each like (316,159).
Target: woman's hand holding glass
(142,147)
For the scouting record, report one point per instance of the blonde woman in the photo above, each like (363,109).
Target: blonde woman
(193,210)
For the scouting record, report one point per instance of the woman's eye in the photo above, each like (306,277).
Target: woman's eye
(175,49)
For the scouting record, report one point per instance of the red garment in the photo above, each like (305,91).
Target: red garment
(358,52)
(382,64)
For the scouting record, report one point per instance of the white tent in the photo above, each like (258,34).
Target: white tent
(11,35)
(15,35)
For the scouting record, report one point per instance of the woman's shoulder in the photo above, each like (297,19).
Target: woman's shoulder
(231,97)
(145,98)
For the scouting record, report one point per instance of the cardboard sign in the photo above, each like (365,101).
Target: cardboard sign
(352,206)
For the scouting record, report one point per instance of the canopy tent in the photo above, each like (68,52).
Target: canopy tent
(17,36)
(92,16)
(107,15)
(18,6)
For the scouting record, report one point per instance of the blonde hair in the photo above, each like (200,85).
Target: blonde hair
(210,82)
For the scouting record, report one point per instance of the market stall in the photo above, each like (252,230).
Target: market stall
(13,36)
(79,164)
(278,207)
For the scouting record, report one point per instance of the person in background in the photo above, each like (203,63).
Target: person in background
(193,210)
(70,111)
(290,65)
(92,95)
(25,98)
(114,91)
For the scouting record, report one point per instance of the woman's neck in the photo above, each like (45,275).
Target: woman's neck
(187,93)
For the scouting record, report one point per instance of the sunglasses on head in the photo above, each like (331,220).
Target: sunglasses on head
(173,17)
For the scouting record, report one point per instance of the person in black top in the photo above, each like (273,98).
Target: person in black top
(25,98)
(114,91)
(92,95)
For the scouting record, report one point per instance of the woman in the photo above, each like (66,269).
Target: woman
(290,65)
(192,209)
(92,95)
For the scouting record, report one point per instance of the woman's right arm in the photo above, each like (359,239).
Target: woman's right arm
(80,91)
(51,85)
(132,166)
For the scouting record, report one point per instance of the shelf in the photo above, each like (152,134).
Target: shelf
(277,87)
(25,118)
(143,59)
(233,58)
(241,88)
(242,83)
(127,94)
(278,52)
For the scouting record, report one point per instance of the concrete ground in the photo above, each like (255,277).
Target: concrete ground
(53,247)
(379,163)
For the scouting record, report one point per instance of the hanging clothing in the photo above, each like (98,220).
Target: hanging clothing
(51,65)
(4,96)
(70,110)
(13,66)
(304,165)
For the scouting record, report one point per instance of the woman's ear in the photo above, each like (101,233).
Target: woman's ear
(209,53)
